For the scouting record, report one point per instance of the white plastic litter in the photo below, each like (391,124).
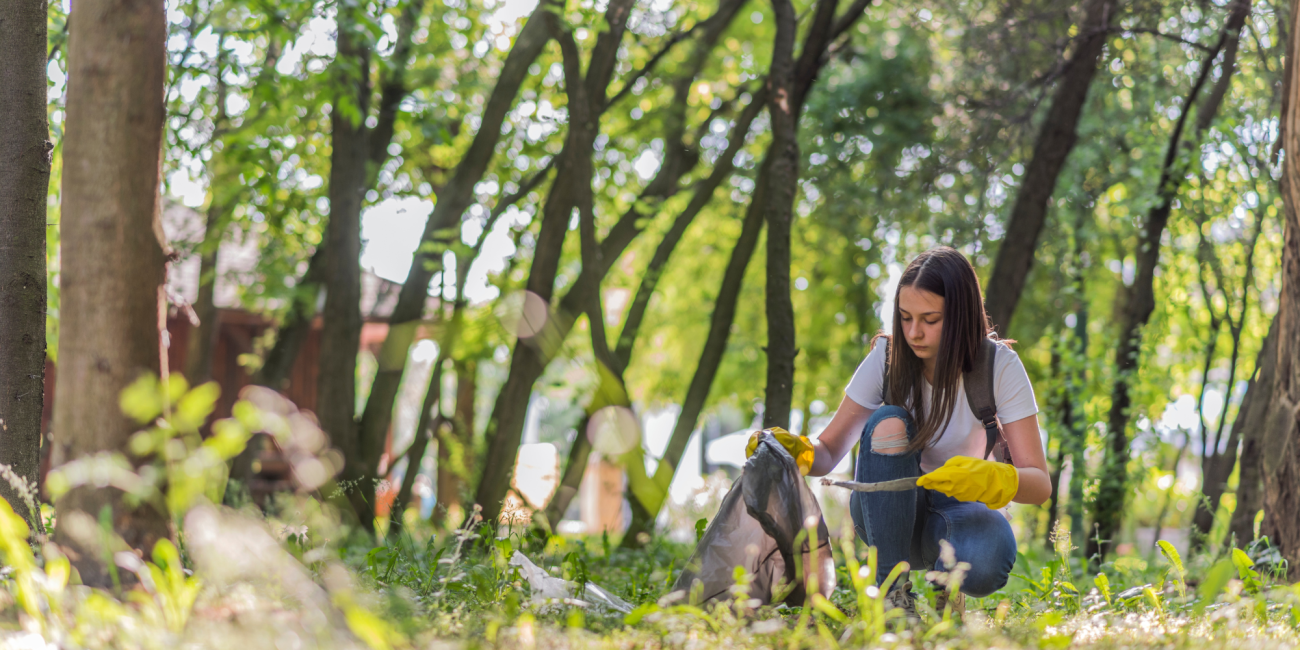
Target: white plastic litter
(551,590)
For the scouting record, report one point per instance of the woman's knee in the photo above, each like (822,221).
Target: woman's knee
(889,430)
(991,563)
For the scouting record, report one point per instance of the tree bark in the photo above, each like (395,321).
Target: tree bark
(782,165)
(1279,448)
(1249,427)
(113,257)
(1136,311)
(24,185)
(1056,139)
(341,332)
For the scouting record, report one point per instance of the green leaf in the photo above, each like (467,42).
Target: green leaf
(1213,583)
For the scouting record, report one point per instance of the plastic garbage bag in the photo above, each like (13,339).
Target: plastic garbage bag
(549,589)
(756,527)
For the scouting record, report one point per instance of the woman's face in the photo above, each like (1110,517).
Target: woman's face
(921,314)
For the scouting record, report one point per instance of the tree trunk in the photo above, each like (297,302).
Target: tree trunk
(1216,466)
(680,158)
(587,101)
(341,334)
(24,185)
(297,324)
(782,165)
(443,226)
(113,259)
(1249,427)
(1108,508)
(456,447)
(1056,138)
(198,353)
(427,424)
(715,345)
(1279,448)
(358,153)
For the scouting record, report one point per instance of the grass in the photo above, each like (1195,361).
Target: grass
(295,577)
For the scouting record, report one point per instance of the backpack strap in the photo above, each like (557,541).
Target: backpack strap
(979,393)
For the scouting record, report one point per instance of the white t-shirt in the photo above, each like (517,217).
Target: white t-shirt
(964,435)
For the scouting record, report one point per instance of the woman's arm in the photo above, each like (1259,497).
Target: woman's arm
(838,437)
(1027,453)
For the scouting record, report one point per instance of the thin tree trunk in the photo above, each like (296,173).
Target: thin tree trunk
(1056,139)
(198,353)
(456,447)
(24,185)
(297,324)
(341,333)
(1249,427)
(715,345)
(648,494)
(113,258)
(778,210)
(427,424)
(358,152)
(1108,508)
(571,188)
(679,160)
(1216,466)
(443,226)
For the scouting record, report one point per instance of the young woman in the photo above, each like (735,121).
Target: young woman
(928,430)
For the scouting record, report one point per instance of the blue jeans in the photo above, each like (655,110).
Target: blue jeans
(907,526)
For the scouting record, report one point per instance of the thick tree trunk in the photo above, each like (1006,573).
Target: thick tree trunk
(341,333)
(782,165)
(1249,427)
(443,226)
(1136,311)
(1056,138)
(113,258)
(24,184)
(1280,447)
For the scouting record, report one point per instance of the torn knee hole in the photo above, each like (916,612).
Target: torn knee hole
(889,437)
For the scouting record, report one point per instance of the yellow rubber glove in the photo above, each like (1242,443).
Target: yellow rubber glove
(971,479)
(798,446)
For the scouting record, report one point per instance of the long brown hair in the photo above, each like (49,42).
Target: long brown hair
(946,273)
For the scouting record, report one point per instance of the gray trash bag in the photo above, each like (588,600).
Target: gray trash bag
(756,526)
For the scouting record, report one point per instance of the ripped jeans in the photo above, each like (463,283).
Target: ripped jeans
(907,526)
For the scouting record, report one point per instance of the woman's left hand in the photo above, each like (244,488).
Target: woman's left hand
(971,479)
